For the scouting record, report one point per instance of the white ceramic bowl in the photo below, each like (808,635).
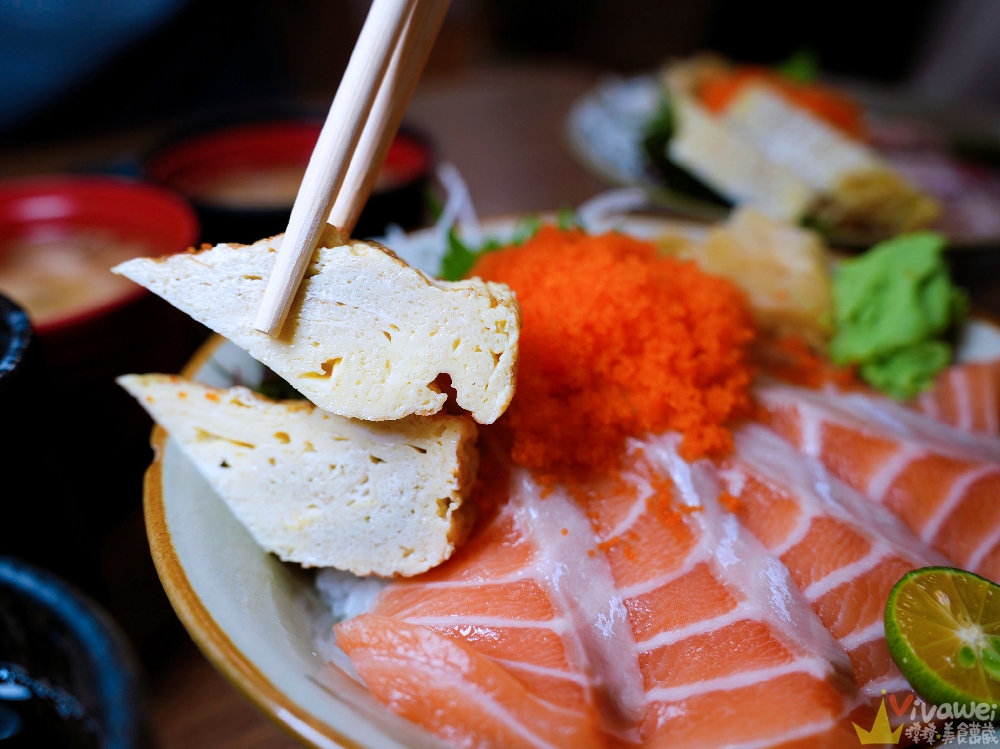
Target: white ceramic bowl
(259,620)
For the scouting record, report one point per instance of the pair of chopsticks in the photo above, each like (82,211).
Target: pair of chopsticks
(373,95)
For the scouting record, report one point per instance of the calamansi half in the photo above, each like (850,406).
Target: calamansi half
(942,626)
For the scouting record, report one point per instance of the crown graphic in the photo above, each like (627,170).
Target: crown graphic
(881,732)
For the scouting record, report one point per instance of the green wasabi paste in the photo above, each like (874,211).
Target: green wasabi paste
(893,306)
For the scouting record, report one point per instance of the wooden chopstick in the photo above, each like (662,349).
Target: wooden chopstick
(330,158)
(393,96)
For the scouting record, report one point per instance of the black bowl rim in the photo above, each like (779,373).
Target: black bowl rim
(117,678)
(15,320)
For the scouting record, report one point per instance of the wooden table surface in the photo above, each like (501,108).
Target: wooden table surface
(192,706)
(503,129)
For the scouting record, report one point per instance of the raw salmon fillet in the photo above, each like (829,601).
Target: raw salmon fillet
(546,654)
(943,483)
(844,552)
(661,628)
(450,688)
(723,634)
(967,397)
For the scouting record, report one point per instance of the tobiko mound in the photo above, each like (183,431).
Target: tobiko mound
(619,341)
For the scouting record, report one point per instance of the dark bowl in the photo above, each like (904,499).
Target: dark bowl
(20,432)
(127,210)
(19,381)
(213,167)
(16,337)
(73,445)
(67,677)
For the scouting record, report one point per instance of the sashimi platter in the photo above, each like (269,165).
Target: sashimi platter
(588,480)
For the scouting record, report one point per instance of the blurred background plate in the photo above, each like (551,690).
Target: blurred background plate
(604,130)
(952,154)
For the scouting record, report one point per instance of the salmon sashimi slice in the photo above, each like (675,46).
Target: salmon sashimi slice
(450,688)
(965,396)
(723,633)
(525,596)
(844,552)
(943,483)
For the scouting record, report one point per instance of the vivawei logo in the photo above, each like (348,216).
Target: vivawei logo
(949,723)
(881,732)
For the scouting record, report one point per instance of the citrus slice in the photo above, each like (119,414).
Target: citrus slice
(942,626)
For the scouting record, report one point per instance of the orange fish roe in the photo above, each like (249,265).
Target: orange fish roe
(627,551)
(730,502)
(619,341)
(661,506)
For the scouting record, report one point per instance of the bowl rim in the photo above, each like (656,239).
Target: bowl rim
(20,336)
(213,642)
(116,675)
(189,227)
